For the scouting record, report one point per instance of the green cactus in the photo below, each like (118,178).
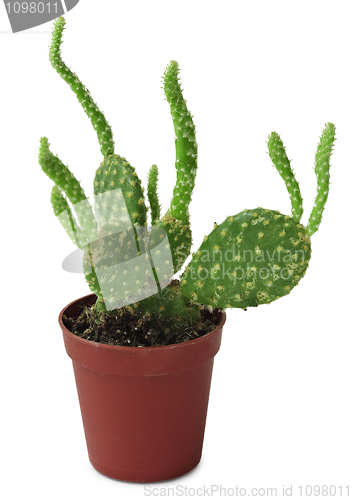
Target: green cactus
(82,93)
(267,252)
(322,171)
(279,158)
(252,258)
(63,211)
(66,182)
(112,236)
(185,142)
(153,194)
(116,173)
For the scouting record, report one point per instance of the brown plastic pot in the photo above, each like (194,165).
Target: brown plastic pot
(143,408)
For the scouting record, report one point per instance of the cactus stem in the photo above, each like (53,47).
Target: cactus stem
(97,118)
(322,172)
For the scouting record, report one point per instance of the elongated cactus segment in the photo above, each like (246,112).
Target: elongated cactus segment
(279,158)
(185,143)
(97,118)
(179,236)
(116,173)
(63,212)
(153,194)
(322,171)
(53,167)
(91,277)
(252,258)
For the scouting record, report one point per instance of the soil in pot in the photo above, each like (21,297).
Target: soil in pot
(128,327)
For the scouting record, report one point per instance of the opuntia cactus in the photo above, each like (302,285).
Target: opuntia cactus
(252,258)
(260,255)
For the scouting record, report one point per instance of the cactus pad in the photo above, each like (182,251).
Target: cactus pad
(116,173)
(179,235)
(252,258)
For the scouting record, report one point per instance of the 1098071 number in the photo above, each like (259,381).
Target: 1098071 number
(31,7)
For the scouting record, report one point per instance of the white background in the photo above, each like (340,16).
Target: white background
(280,410)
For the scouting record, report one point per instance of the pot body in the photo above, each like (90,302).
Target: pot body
(143,408)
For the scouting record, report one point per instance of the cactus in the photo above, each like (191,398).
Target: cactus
(279,158)
(82,93)
(252,258)
(153,194)
(260,255)
(322,171)
(185,143)
(112,234)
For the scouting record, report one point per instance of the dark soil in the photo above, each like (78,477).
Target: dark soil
(135,329)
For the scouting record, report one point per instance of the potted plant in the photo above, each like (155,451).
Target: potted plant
(143,343)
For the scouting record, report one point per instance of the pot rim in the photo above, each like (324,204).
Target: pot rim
(140,361)
(129,348)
